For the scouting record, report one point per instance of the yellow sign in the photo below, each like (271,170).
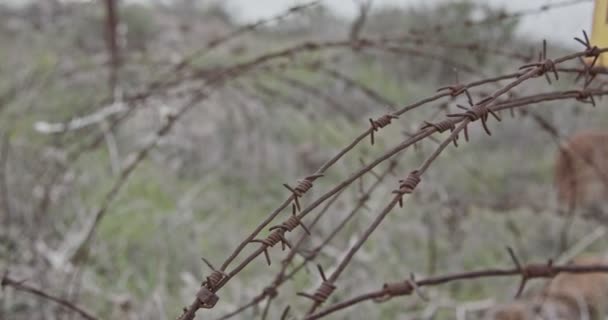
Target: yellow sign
(599,29)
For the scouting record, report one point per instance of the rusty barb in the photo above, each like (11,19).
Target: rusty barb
(278,232)
(590,51)
(531,271)
(584,96)
(380,123)
(206,293)
(301,188)
(442,126)
(407,185)
(543,66)
(323,292)
(478,111)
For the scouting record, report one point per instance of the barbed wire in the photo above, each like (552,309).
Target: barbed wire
(381,43)
(166,81)
(456,123)
(164,84)
(376,125)
(282,276)
(410,286)
(478,111)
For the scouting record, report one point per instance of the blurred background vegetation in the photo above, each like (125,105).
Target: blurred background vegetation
(219,171)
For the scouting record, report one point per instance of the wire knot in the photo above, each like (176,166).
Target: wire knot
(291,223)
(440,126)
(539,270)
(593,51)
(272,239)
(323,292)
(544,65)
(477,112)
(214,279)
(584,96)
(403,288)
(302,187)
(590,50)
(206,294)
(380,123)
(407,185)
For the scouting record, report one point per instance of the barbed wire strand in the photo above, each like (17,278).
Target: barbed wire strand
(478,111)
(389,290)
(532,70)
(282,276)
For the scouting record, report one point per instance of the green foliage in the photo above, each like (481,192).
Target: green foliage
(141,26)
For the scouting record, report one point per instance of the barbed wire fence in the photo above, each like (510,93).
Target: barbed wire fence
(481,108)
(206,297)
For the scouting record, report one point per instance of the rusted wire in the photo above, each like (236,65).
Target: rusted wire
(476,112)
(155,86)
(323,292)
(479,111)
(405,288)
(472,115)
(283,276)
(207,298)
(345,149)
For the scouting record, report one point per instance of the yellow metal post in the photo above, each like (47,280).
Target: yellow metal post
(599,29)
